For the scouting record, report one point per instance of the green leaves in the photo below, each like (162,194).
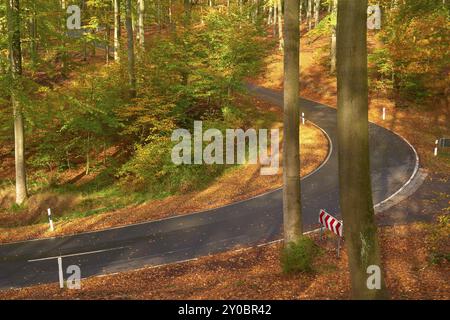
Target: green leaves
(416,34)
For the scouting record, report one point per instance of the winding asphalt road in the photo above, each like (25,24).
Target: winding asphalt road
(251,222)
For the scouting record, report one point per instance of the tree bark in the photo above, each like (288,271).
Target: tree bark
(169,13)
(33,35)
(15,58)
(107,41)
(270,15)
(280,25)
(316,12)
(116,30)
(141,30)
(360,230)
(130,47)
(309,14)
(275,17)
(333,41)
(300,12)
(293,227)
(187,13)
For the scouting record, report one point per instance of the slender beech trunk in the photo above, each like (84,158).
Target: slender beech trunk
(187,13)
(254,14)
(360,230)
(141,30)
(88,158)
(293,227)
(316,12)
(116,30)
(130,49)
(64,53)
(107,40)
(159,15)
(33,34)
(15,57)
(300,12)
(275,17)
(309,14)
(169,13)
(269,16)
(280,25)
(333,41)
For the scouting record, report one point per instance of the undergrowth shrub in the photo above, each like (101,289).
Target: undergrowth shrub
(299,256)
(439,240)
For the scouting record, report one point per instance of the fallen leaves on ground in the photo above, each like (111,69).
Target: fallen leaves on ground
(255,273)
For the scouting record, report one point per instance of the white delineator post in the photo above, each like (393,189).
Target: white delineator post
(384,113)
(303,118)
(436,148)
(50,221)
(60,273)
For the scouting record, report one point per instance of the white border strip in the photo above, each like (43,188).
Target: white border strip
(76,254)
(416,169)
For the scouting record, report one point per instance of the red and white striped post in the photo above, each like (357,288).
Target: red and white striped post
(332,224)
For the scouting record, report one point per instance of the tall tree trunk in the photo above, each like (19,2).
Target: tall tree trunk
(141,30)
(158,15)
(275,17)
(280,25)
(116,30)
(269,16)
(64,53)
(15,56)
(130,48)
(169,13)
(187,13)
(309,14)
(107,41)
(333,40)
(300,12)
(316,12)
(256,11)
(33,34)
(293,227)
(360,230)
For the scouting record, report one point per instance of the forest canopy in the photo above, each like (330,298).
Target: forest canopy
(183,73)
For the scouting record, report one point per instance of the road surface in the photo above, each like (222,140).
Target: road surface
(246,223)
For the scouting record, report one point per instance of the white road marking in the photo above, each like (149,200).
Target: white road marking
(76,254)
